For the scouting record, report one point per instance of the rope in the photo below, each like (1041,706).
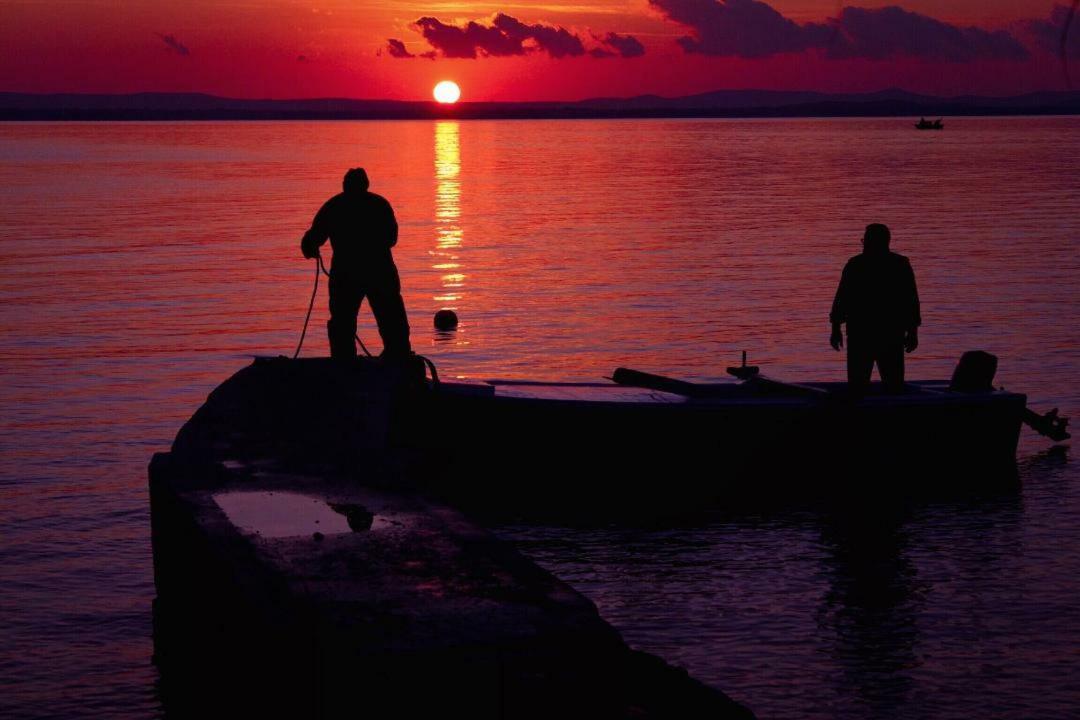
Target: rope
(314,290)
(434,373)
(321,268)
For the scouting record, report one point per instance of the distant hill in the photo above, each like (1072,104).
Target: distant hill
(721,103)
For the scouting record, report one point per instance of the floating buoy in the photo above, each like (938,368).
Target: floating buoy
(446,320)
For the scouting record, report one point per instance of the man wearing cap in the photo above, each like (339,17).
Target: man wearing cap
(878,301)
(361,228)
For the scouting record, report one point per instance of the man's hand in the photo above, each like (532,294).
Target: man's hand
(911,340)
(308,251)
(837,338)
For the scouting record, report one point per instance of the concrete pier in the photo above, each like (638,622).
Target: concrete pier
(299,575)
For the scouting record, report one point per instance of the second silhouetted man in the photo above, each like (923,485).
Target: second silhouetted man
(878,301)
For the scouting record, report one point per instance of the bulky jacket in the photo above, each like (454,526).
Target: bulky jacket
(877,295)
(361,227)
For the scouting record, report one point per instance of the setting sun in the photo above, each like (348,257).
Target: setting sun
(447,92)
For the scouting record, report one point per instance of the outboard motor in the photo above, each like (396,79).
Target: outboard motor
(974,373)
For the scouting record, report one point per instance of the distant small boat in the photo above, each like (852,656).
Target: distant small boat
(925,124)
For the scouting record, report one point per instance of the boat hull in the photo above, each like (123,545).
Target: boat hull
(521,441)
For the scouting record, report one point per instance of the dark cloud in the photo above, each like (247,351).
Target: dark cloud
(397,49)
(626,46)
(505,36)
(468,41)
(746,28)
(174,45)
(892,32)
(558,42)
(753,29)
(1058,33)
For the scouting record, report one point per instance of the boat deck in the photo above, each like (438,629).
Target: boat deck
(922,392)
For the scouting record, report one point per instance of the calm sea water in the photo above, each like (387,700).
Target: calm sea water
(144,263)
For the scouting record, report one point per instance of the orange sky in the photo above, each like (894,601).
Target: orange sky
(252,49)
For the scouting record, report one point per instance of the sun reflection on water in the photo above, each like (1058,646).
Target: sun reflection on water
(449,234)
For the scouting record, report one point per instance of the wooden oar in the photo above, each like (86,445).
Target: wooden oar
(637,378)
(781,387)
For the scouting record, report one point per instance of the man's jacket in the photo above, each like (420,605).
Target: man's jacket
(877,294)
(361,228)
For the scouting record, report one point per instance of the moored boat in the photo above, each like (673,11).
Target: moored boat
(653,436)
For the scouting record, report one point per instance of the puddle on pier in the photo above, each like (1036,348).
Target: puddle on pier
(274,514)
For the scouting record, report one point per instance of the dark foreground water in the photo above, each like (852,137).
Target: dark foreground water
(140,264)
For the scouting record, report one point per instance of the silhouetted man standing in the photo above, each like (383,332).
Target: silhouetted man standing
(362,229)
(878,301)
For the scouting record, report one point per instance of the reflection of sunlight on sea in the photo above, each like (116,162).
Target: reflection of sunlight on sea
(449,235)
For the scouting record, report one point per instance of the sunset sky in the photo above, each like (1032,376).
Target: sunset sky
(530,50)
